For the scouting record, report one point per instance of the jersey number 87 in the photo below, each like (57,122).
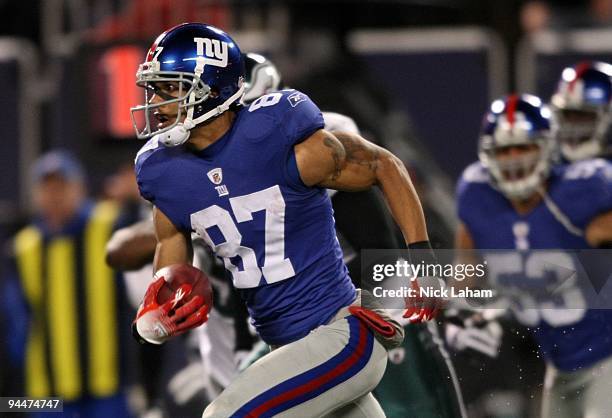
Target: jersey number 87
(276,267)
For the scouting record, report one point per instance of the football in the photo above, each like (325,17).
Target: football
(191,280)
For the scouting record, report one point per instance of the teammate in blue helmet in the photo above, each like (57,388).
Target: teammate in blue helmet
(581,105)
(251,181)
(516,146)
(514,199)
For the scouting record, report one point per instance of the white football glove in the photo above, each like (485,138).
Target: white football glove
(483,337)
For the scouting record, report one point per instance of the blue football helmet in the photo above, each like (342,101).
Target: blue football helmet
(581,107)
(208,67)
(518,123)
(262,77)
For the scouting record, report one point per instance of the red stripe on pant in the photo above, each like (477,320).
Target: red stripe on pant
(313,384)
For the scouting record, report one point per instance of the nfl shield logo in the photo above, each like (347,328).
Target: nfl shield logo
(215,175)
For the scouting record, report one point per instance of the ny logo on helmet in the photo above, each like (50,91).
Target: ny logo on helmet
(213,50)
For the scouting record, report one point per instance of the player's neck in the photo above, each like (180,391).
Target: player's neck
(525,206)
(207,134)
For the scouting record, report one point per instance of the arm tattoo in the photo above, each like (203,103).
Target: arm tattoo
(338,154)
(358,151)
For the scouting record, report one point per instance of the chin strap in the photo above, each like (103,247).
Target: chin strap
(180,133)
(219,109)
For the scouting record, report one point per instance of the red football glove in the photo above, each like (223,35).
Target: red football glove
(423,306)
(156,323)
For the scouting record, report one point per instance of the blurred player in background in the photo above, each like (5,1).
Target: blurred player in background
(582,108)
(193,77)
(64,304)
(515,199)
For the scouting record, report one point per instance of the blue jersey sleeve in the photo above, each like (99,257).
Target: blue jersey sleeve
(148,168)
(604,179)
(586,181)
(301,116)
(292,116)
(474,177)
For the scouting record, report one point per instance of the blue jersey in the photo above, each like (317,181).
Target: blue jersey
(570,338)
(244,197)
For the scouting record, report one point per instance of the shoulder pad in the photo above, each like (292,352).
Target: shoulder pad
(474,193)
(278,102)
(148,169)
(473,178)
(587,181)
(146,150)
(296,114)
(475,173)
(585,169)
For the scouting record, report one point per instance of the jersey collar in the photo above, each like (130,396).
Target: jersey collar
(216,147)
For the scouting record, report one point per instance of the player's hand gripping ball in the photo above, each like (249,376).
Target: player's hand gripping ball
(178,299)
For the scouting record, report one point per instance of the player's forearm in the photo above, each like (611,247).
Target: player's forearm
(401,197)
(173,245)
(354,163)
(172,251)
(132,247)
(599,232)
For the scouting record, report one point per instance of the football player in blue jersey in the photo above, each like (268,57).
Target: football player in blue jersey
(419,390)
(582,108)
(251,182)
(419,380)
(514,199)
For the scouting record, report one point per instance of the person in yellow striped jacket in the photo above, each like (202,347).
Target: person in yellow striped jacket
(62,302)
